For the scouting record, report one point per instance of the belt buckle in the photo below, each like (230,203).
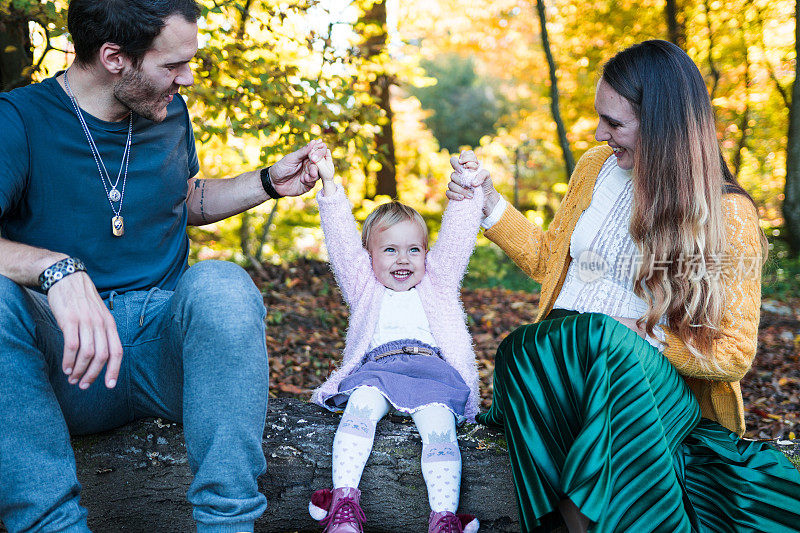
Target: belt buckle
(411,350)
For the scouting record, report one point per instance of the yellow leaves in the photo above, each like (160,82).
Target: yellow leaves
(368,205)
(560,188)
(364,99)
(534,216)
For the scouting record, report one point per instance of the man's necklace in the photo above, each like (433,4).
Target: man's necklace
(113,194)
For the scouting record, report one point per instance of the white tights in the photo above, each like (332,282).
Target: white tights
(441,458)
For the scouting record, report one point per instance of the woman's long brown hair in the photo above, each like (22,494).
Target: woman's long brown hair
(679,178)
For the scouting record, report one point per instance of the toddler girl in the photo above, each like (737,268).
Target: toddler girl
(407,347)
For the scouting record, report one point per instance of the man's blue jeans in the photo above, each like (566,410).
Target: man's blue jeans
(196,356)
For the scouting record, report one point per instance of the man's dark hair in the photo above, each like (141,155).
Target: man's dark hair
(131,24)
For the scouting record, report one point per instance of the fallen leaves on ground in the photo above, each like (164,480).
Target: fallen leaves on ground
(307,321)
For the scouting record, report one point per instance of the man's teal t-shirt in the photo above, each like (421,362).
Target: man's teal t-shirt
(52,197)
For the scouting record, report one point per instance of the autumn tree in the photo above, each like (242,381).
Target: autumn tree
(791,202)
(17,66)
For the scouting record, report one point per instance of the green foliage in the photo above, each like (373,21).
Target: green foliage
(781,274)
(275,318)
(268,81)
(489,267)
(465,107)
(260,78)
(51,15)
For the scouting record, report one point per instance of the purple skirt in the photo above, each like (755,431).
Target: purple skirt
(409,382)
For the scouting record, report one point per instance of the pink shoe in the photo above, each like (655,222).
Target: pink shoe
(447,522)
(338,510)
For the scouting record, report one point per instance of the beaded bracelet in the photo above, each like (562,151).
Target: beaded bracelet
(59,271)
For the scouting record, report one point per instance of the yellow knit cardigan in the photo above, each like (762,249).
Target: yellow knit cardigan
(544,256)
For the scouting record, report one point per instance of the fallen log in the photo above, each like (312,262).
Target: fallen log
(135,478)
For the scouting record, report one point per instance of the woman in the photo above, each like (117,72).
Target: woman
(622,405)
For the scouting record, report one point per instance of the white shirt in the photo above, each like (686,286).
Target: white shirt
(605,259)
(401,317)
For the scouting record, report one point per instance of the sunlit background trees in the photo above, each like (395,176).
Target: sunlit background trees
(394,87)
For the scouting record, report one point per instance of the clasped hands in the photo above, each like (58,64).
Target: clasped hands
(457,191)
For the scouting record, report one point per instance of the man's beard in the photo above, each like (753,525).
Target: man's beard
(140,95)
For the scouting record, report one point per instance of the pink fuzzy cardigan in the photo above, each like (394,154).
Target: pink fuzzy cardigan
(439,289)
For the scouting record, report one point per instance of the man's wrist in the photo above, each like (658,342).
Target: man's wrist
(58,271)
(266,183)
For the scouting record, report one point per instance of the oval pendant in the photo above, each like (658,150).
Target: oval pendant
(114,195)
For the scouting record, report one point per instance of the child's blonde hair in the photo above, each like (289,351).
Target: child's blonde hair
(387,215)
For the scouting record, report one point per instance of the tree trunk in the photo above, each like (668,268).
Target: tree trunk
(715,74)
(743,128)
(376,36)
(244,233)
(265,230)
(744,123)
(676,23)
(569,160)
(791,201)
(386,178)
(16,53)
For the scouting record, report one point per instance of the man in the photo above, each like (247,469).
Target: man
(101,321)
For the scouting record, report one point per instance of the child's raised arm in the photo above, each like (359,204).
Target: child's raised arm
(450,255)
(349,260)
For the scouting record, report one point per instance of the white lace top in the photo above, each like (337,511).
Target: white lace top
(401,317)
(605,259)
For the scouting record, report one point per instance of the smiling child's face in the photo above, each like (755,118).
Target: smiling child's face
(398,255)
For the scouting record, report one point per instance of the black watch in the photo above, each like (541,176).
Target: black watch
(267,184)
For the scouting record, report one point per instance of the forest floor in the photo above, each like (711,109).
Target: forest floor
(307,321)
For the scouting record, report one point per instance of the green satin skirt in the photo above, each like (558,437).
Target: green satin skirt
(593,412)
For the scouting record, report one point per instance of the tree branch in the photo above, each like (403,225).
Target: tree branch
(780,88)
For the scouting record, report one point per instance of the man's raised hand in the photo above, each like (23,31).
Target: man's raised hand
(293,175)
